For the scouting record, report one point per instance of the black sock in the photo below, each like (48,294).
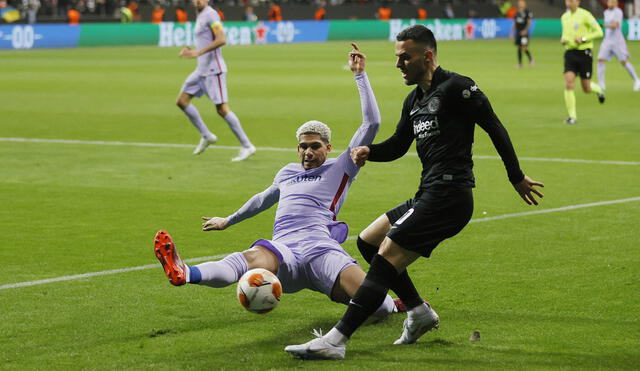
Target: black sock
(402,286)
(528,55)
(367,250)
(519,56)
(369,296)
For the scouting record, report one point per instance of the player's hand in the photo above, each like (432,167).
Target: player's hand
(356,60)
(525,190)
(214,224)
(360,155)
(578,40)
(563,41)
(188,53)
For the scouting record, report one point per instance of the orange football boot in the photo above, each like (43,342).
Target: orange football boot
(168,256)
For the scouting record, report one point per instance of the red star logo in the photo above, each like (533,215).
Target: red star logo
(469,28)
(260,32)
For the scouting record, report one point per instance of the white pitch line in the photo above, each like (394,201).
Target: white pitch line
(203,258)
(102,273)
(277,149)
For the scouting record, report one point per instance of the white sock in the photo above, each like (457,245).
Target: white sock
(234,123)
(601,69)
(335,337)
(418,311)
(632,71)
(224,272)
(194,116)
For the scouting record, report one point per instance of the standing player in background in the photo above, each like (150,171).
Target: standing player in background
(579,29)
(614,44)
(210,78)
(305,249)
(522,25)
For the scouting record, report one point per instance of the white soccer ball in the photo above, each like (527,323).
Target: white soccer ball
(259,291)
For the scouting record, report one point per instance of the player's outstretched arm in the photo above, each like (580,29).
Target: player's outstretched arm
(370,112)
(255,205)
(525,189)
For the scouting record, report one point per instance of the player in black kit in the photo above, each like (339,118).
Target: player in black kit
(440,115)
(521,25)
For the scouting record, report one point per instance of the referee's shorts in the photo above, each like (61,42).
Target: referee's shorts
(420,224)
(579,62)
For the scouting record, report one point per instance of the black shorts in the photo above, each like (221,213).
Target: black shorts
(522,40)
(420,224)
(579,62)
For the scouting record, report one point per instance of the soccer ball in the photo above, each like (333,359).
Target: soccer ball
(259,291)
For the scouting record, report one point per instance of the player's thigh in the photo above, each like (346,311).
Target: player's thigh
(192,86)
(569,79)
(216,88)
(261,257)
(375,232)
(323,271)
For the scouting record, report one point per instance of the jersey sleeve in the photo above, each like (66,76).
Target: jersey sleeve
(478,110)
(370,113)
(594,31)
(214,22)
(398,144)
(258,202)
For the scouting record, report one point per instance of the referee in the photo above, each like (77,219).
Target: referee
(579,29)
(440,115)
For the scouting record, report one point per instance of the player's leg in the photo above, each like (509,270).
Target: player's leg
(220,97)
(528,53)
(570,96)
(219,273)
(585,71)
(348,282)
(227,271)
(369,242)
(601,68)
(192,87)
(519,56)
(622,53)
(435,217)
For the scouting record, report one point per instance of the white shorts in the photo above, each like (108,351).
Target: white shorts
(609,49)
(214,86)
(313,265)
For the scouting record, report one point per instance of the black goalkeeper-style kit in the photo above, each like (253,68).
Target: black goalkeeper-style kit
(520,22)
(442,122)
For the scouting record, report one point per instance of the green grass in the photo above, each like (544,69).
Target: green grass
(556,290)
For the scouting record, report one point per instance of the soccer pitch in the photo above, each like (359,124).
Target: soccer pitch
(101,159)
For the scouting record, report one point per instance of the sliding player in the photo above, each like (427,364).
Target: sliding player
(305,250)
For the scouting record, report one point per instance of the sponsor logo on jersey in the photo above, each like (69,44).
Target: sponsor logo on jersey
(426,128)
(305,178)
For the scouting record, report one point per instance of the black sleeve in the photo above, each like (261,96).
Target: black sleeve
(478,108)
(398,144)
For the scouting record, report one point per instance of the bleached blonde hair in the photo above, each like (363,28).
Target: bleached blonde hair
(314,127)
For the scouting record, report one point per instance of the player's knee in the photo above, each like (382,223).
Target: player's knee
(222,109)
(181,103)
(261,257)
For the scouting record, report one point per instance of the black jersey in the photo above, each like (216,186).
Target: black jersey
(522,18)
(442,121)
